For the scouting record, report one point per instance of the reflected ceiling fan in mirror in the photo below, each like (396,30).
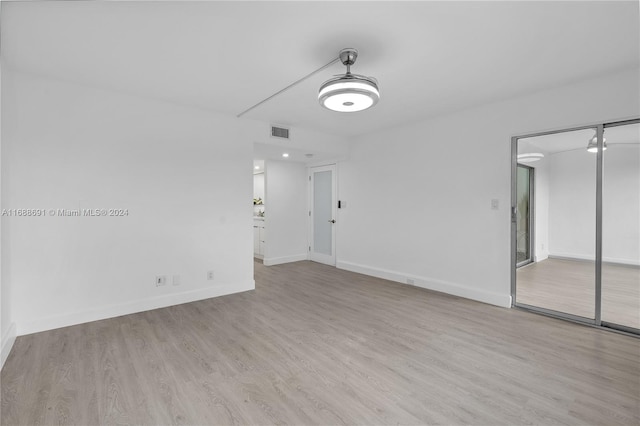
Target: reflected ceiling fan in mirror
(530,157)
(593,143)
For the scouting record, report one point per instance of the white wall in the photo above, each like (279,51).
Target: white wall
(183,174)
(419,196)
(258,185)
(621,204)
(573,202)
(7,327)
(286,217)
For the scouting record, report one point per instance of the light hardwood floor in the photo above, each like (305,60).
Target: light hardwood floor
(316,345)
(569,286)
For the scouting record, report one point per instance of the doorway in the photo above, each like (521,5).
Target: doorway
(582,258)
(322,212)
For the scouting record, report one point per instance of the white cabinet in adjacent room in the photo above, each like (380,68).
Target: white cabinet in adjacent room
(258,238)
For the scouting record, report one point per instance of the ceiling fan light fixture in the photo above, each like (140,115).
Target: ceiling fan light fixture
(530,157)
(349,92)
(593,144)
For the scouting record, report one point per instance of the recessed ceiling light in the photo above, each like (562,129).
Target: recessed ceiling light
(257,167)
(285,155)
(530,157)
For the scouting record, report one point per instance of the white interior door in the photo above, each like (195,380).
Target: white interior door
(323,214)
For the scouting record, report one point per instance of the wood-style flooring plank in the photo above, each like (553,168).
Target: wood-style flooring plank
(568,286)
(316,345)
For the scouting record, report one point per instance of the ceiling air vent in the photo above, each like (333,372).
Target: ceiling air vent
(279,132)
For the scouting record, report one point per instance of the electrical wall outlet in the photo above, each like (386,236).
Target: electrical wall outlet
(210,275)
(161,280)
(176,280)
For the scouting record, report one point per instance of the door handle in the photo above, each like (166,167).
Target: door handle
(332,221)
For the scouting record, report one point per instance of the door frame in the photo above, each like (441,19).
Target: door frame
(532,216)
(597,320)
(320,257)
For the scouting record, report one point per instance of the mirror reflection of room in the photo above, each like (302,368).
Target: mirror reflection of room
(556,223)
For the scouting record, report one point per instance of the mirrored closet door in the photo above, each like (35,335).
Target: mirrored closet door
(575,224)
(621,226)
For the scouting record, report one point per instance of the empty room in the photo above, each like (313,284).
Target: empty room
(320,213)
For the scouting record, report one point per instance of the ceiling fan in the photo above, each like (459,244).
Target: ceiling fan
(343,93)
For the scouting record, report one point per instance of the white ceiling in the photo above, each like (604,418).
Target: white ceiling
(429,57)
(265,151)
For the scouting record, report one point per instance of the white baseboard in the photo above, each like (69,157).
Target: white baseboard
(574,256)
(541,255)
(7,343)
(503,300)
(270,261)
(111,311)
